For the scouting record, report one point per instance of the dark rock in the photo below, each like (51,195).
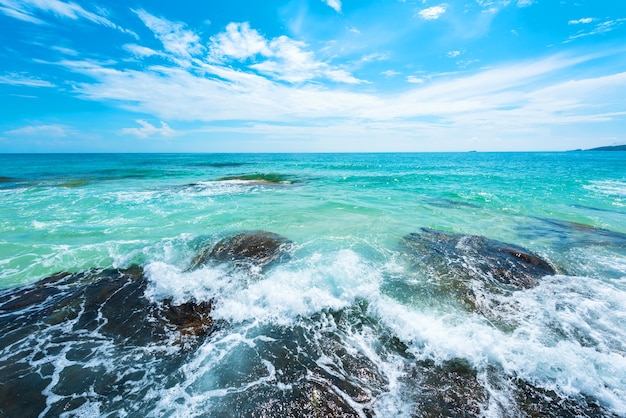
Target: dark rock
(476,257)
(71,325)
(450,389)
(537,402)
(316,371)
(471,269)
(454,388)
(189,318)
(248,248)
(110,302)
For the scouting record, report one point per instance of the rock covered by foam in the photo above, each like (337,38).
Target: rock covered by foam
(474,269)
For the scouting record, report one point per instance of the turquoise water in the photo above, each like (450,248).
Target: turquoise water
(346,215)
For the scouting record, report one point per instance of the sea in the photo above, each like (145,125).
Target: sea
(393,291)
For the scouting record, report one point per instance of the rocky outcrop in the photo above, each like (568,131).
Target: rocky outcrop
(107,302)
(472,269)
(476,257)
(245,249)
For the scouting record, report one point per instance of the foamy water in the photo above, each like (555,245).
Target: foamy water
(347,323)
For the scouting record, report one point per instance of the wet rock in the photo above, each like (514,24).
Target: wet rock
(537,402)
(67,328)
(473,270)
(109,302)
(475,257)
(245,249)
(454,388)
(310,369)
(450,389)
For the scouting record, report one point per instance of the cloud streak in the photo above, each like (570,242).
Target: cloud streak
(46,131)
(24,80)
(27,10)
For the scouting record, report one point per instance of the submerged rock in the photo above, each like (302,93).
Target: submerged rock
(260,178)
(245,249)
(575,233)
(476,257)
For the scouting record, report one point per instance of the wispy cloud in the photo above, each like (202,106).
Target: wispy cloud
(147,130)
(335,4)
(50,131)
(26,10)
(434,12)
(600,28)
(24,80)
(175,37)
(584,20)
(525,3)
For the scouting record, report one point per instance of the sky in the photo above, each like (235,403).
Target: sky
(311,75)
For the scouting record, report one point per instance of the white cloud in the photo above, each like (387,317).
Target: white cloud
(281,58)
(434,12)
(415,80)
(584,20)
(65,51)
(335,4)
(25,10)
(453,54)
(147,130)
(390,73)
(524,3)
(56,131)
(141,51)
(239,41)
(24,80)
(175,38)
(373,57)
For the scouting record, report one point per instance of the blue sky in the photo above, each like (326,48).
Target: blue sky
(311,75)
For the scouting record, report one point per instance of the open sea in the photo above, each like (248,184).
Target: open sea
(313,285)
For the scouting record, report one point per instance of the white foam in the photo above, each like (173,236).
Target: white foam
(569,335)
(302,288)
(608,187)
